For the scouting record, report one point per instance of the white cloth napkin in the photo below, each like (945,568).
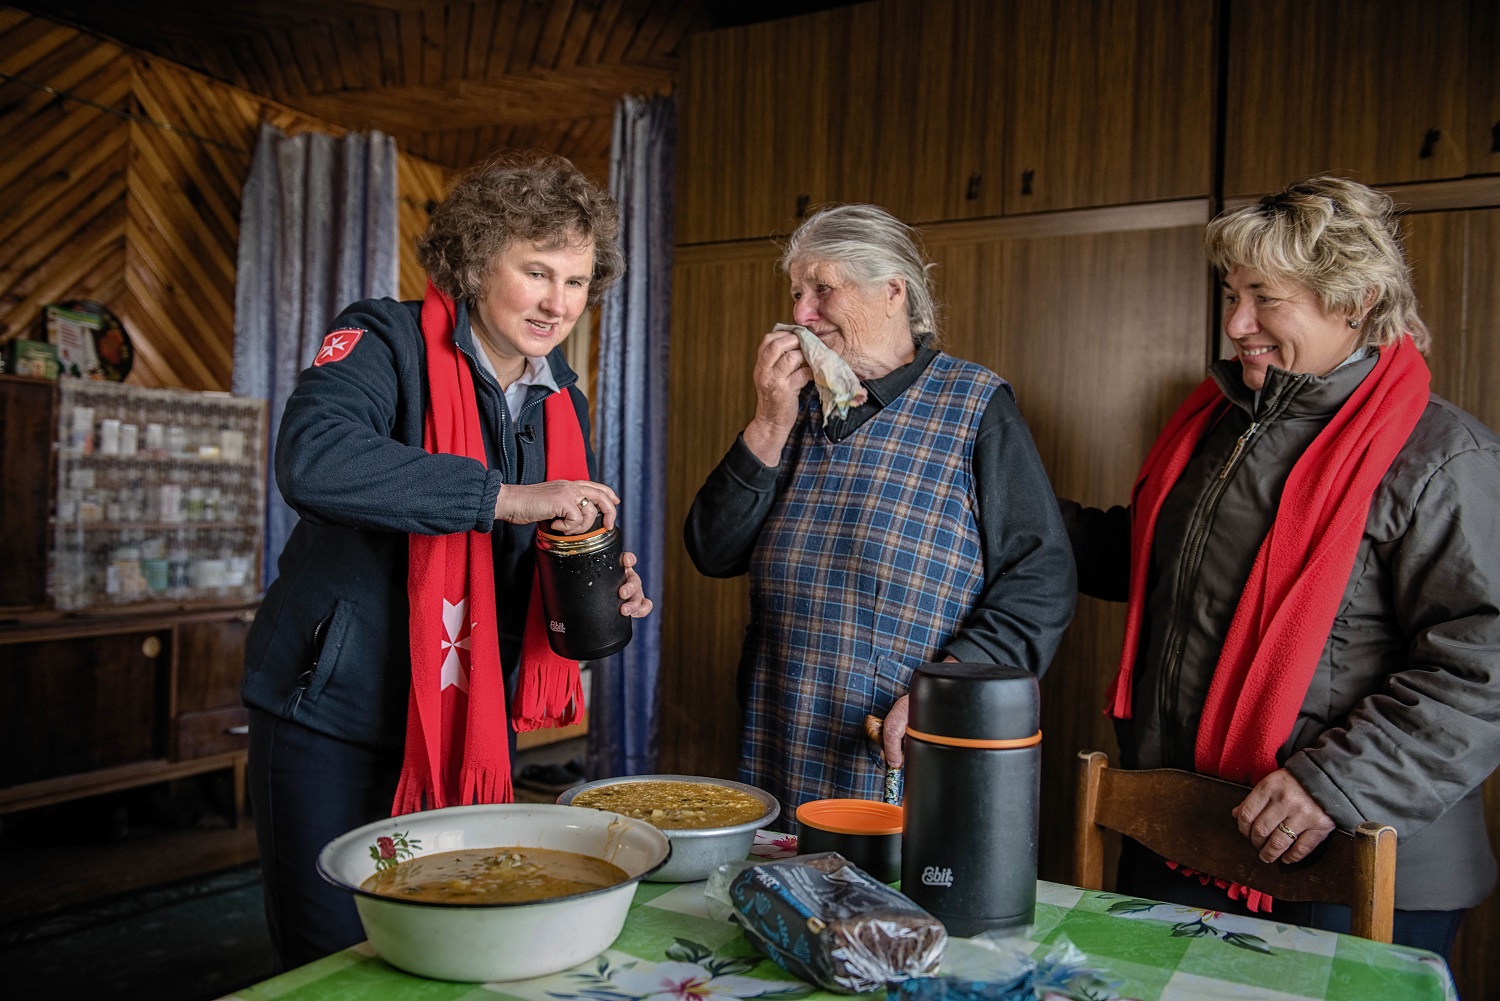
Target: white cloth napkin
(838,387)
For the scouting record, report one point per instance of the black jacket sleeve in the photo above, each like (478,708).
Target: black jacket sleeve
(1029,586)
(340,457)
(728,512)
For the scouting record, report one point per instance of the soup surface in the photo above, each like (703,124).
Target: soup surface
(675,805)
(494,876)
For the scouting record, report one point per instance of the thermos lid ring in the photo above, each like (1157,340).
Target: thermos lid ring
(986,745)
(576,545)
(572,538)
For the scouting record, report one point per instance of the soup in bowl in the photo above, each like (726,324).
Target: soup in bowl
(496,892)
(709,821)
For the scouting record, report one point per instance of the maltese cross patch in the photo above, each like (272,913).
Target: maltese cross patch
(337,345)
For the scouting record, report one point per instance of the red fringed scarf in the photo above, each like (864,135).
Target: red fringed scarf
(1301,571)
(457,749)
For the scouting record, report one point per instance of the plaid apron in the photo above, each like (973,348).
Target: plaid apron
(866,567)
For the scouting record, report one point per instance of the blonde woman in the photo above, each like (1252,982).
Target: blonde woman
(1311,564)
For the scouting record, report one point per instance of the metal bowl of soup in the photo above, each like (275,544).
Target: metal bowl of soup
(709,821)
(493,893)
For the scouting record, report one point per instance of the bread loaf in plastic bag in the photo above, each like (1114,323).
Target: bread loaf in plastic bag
(824,919)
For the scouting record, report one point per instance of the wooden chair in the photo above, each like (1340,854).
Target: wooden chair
(1185,817)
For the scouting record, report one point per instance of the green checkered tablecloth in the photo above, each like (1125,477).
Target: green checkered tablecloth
(671,950)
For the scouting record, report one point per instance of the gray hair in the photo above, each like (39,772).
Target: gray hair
(1339,239)
(871,246)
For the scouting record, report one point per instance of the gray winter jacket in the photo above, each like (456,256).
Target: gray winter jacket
(1401,723)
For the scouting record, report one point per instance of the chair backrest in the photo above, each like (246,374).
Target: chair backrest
(1185,817)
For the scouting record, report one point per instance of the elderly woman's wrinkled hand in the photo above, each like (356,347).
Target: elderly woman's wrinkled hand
(636,605)
(780,374)
(1281,819)
(571,504)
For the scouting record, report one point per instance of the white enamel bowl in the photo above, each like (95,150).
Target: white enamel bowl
(697,853)
(485,942)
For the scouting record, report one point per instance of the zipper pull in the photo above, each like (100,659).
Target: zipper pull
(1239,448)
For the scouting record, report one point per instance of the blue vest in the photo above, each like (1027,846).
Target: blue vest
(866,567)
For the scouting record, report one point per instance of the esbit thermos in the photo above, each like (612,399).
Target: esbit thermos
(973,780)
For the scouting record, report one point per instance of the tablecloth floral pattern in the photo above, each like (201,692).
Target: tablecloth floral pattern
(671,950)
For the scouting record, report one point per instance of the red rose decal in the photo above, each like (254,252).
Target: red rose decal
(387,847)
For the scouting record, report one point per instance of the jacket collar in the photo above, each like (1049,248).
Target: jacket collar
(1301,394)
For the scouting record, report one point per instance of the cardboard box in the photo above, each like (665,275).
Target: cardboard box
(33,359)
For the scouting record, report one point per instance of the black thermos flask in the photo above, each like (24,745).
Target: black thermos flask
(973,779)
(580,577)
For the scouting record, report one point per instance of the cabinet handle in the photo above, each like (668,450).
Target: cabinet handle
(1026,176)
(151,647)
(1495,138)
(802,201)
(1428,142)
(972,194)
(238,731)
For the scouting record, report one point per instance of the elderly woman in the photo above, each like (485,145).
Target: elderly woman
(1311,564)
(915,527)
(403,644)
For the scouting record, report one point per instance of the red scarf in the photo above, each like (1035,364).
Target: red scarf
(457,748)
(1301,571)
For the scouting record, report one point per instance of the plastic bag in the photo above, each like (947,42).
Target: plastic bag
(974,970)
(994,968)
(827,921)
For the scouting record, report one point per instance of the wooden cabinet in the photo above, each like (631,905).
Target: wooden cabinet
(724,300)
(779,113)
(28,414)
(140,688)
(1484,88)
(101,703)
(207,715)
(939,110)
(1376,90)
(1110,102)
(1456,269)
(945,109)
(74,704)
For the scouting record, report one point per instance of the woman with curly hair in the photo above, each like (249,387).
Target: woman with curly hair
(402,645)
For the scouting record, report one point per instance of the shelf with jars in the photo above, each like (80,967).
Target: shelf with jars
(159,496)
(132,543)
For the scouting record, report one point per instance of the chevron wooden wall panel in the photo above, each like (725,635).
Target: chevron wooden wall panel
(62,178)
(182,224)
(142,218)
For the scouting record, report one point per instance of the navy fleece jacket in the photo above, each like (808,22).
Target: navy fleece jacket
(329,646)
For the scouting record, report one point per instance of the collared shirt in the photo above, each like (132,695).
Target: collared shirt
(536,373)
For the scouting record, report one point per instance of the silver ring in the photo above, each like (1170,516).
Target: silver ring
(583,501)
(1287,831)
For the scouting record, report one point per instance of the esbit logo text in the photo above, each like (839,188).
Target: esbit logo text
(935,875)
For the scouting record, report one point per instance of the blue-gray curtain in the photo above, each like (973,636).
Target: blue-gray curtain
(631,421)
(318,230)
